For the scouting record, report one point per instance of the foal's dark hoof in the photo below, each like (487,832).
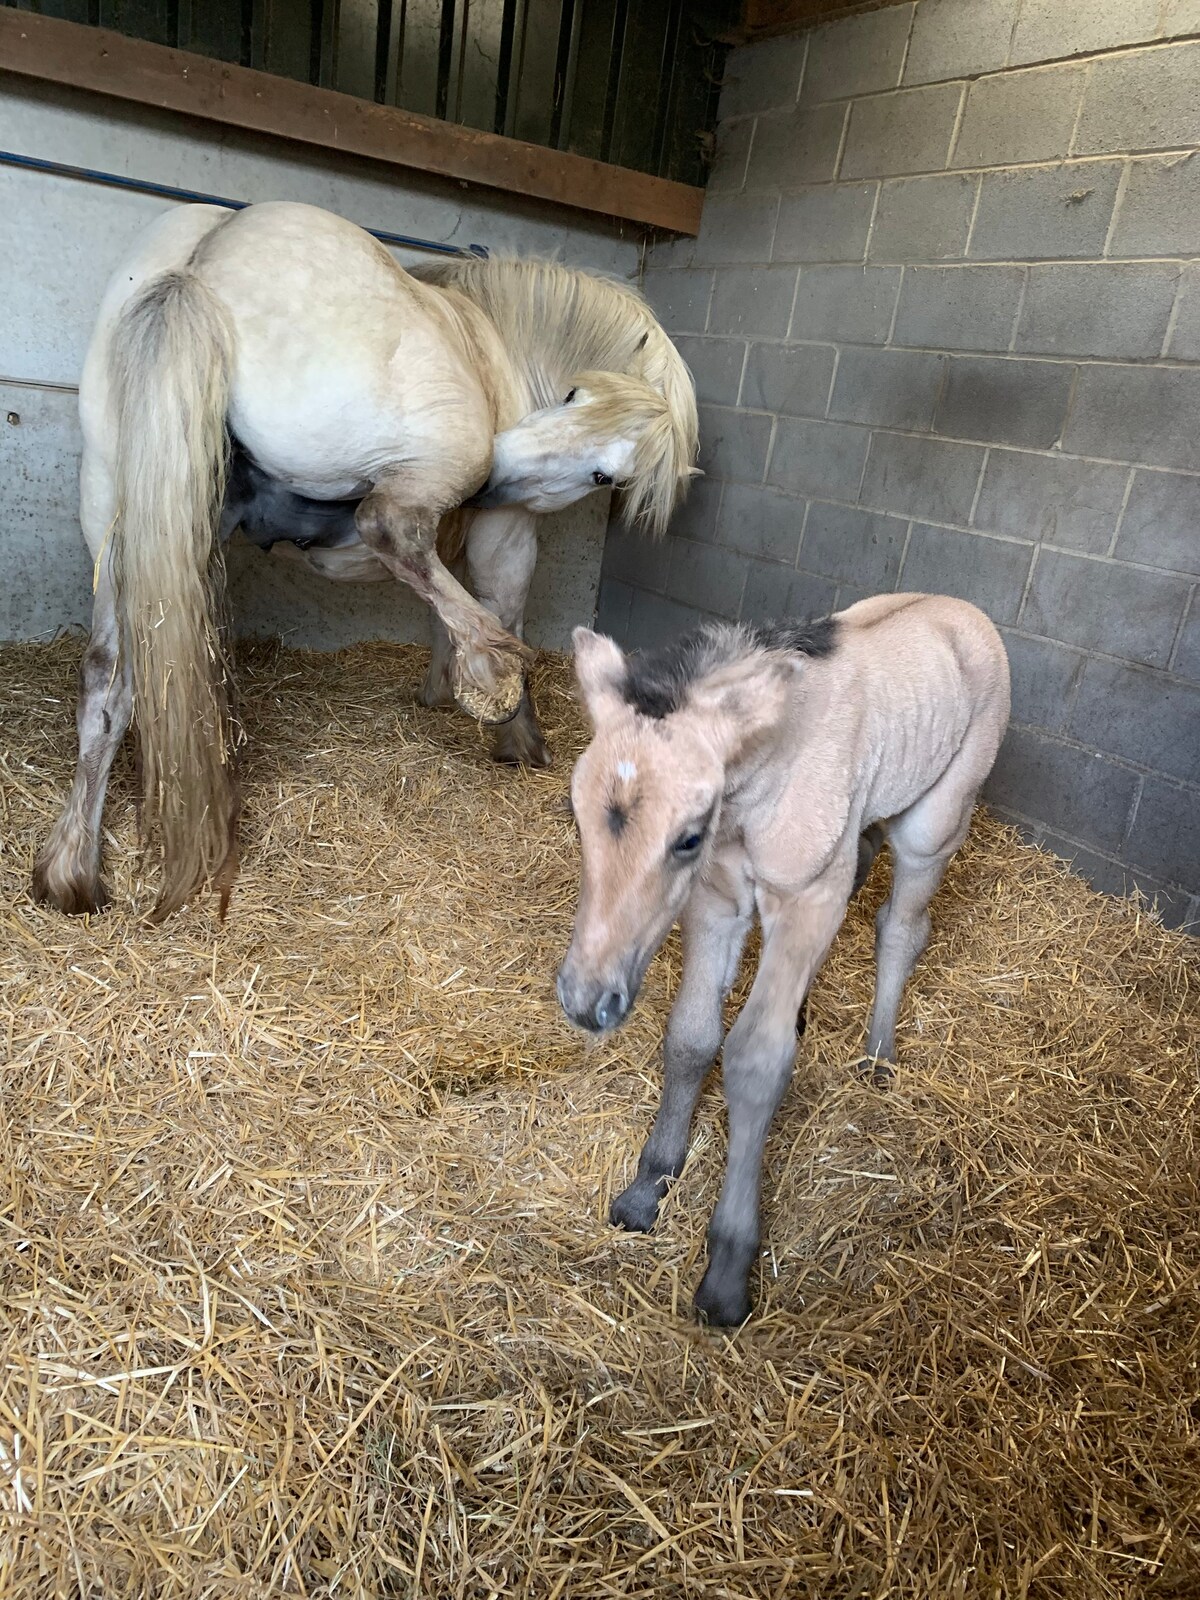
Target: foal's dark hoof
(721,1305)
(635,1209)
(879,1074)
(802,1018)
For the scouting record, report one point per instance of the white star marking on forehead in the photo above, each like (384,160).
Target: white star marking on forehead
(626,771)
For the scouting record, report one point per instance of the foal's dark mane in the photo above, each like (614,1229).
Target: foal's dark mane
(657,681)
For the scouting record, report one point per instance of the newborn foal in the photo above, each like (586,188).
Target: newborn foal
(737,771)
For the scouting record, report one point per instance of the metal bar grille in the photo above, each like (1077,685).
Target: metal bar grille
(627,81)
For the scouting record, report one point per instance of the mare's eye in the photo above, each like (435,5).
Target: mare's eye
(601,480)
(570,397)
(687,845)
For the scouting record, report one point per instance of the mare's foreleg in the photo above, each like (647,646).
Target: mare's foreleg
(67,871)
(488,670)
(714,932)
(501,556)
(757,1068)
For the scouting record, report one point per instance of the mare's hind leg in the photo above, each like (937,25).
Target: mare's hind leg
(67,871)
(501,556)
(922,841)
(488,661)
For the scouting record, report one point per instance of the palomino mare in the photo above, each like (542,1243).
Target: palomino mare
(341,378)
(737,771)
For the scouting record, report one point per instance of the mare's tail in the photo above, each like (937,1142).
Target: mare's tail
(171,365)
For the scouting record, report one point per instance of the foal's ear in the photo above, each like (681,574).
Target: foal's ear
(739,702)
(599,667)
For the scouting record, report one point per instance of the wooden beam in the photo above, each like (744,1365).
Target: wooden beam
(96,59)
(769,19)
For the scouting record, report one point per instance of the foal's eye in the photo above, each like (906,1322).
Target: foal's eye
(687,845)
(570,397)
(601,480)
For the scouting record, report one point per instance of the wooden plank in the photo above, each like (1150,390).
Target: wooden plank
(95,59)
(767,19)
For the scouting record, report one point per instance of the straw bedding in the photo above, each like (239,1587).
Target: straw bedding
(307,1284)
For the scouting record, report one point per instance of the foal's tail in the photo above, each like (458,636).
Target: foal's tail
(171,365)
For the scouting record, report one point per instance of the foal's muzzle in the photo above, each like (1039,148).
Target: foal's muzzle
(598,1007)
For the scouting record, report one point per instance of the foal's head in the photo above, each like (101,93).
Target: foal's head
(609,431)
(647,795)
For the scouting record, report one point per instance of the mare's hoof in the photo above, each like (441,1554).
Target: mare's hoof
(73,899)
(721,1305)
(635,1209)
(878,1073)
(515,747)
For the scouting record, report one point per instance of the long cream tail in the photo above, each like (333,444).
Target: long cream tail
(172,359)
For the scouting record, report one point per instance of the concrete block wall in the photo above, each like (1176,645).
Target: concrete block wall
(944,315)
(61,240)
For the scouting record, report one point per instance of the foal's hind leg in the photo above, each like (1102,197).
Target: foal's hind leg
(67,871)
(922,841)
(501,556)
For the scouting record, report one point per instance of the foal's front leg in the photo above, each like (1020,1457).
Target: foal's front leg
(757,1067)
(489,663)
(714,931)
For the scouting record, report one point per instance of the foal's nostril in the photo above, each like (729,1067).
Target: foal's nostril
(610,1009)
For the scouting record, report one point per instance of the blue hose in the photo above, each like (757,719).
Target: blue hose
(114,180)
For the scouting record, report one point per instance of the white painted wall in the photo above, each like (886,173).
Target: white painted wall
(60,239)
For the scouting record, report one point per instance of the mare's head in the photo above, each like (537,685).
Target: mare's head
(609,430)
(647,795)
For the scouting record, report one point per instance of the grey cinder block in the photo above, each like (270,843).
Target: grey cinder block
(1165,837)
(789,378)
(1056,499)
(923,219)
(1143,100)
(1161,525)
(716,365)
(753,301)
(1105,605)
(862,548)
(734,444)
(653,620)
(1187,652)
(761,76)
(696,518)
(708,577)
(908,131)
(1180,16)
(1044,677)
(1081,794)
(959,38)
(736,228)
(1139,715)
(761,521)
(1045,213)
(958,308)
(829,222)
(852,303)
(728,172)
(773,592)
(988,572)
(1131,413)
(918,477)
(1048,29)
(679,299)
(1098,310)
(631,558)
(818,458)
(1185,335)
(1159,213)
(612,609)
(856,55)
(796,147)
(887,388)
(1019,116)
(1002,401)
